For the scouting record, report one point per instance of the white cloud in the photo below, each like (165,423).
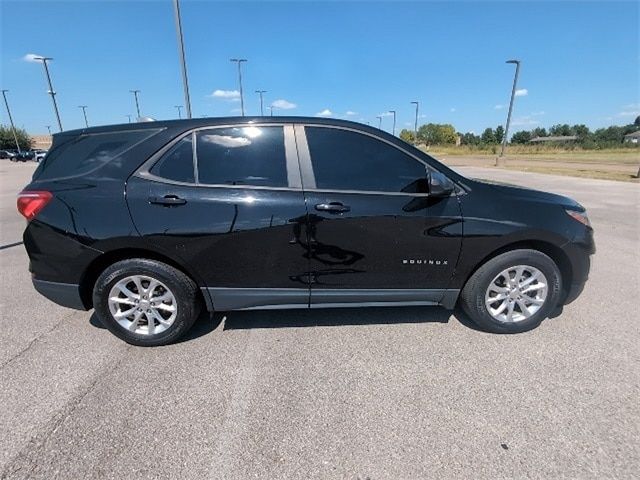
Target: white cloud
(283,104)
(632,106)
(408,124)
(236,110)
(522,92)
(498,107)
(385,114)
(422,116)
(537,114)
(351,113)
(629,113)
(233,95)
(31,57)
(452,109)
(324,113)
(526,121)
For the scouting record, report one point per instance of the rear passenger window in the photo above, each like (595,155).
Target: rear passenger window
(89,152)
(177,163)
(249,155)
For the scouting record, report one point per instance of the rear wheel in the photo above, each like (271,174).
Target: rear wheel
(513,292)
(146,302)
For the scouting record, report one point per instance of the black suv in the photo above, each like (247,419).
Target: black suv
(148,223)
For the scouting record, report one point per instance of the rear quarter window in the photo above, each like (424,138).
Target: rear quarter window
(88,152)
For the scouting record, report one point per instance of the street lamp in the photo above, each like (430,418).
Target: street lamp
(415,125)
(379,117)
(271,110)
(179,107)
(500,159)
(239,62)
(49,129)
(260,92)
(129,117)
(135,94)
(394,121)
(84,112)
(13,127)
(51,91)
(183,62)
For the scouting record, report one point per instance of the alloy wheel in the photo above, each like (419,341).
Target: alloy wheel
(143,305)
(516,293)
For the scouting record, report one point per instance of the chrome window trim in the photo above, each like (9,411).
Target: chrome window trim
(290,153)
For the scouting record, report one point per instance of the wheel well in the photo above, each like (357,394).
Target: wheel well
(555,253)
(98,266)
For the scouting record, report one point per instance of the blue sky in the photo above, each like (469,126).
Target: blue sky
(580,60)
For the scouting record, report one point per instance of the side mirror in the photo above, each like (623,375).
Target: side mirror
(439,185)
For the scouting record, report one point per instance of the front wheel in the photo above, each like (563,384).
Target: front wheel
(513,292)
(145,302)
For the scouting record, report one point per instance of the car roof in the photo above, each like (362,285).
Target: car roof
(187,124)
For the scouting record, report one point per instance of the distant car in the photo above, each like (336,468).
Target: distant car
(24,156)
(7,154)
(39,155)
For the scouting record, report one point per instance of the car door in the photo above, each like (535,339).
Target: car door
(227,201)
(374,234)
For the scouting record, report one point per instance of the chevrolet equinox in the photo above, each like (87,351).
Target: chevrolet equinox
(149,223)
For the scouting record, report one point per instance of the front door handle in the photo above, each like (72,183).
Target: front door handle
(333,207)
(167,200)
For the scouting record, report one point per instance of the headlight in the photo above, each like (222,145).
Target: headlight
(579,216)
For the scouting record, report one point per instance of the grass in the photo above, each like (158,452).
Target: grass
(627,155)
(579,172)
(619,164)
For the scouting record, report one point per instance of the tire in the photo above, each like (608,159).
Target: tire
(522,291)
(150,323)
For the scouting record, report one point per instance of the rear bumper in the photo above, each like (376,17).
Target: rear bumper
(65,294)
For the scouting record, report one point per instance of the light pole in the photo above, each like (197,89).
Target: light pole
(84,112)
(500,159)
(379,117)
(49,129)
(51,92)
(271,110)
(415,125)
(13,127)
(135,94)
(239,62)
(183,62)
(260,92)
(394,121)
(179,107)
(129,117)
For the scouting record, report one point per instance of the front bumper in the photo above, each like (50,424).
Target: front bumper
(65,294)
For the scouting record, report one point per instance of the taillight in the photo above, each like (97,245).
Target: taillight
(31,202)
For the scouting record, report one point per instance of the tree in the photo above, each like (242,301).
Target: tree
(488,136)
(637,121)
(538,132)
(609,135)
(408,135)
(7,142)
(523,136)
(437,134)
(499,133)
(469,138)
(560,130)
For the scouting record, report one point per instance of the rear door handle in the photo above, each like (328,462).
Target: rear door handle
(333,207)
(167,200)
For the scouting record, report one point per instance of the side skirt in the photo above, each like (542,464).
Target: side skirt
(225,299)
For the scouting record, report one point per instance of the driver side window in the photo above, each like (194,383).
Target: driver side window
(348,160)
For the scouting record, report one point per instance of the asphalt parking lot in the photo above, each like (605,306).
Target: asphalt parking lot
(356,393)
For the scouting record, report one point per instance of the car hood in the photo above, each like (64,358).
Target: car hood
(531,194)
